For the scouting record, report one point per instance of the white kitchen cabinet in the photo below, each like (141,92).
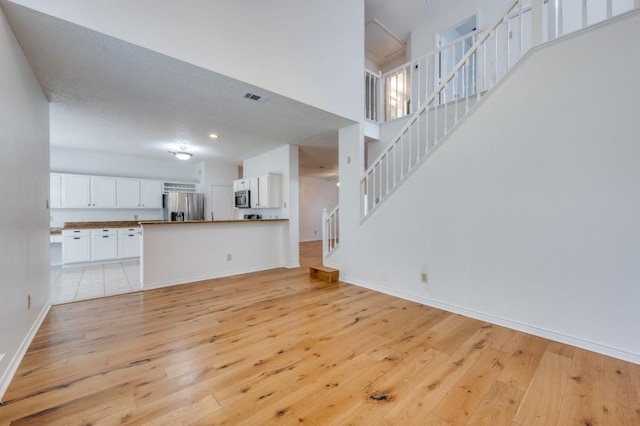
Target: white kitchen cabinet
(128,242)
(103,192)
(55,193)
(128,193)
(150,194)
(76,191)
(76,246)
(266,191)
(81,191)
(139,193)
(104,244)
(241,184)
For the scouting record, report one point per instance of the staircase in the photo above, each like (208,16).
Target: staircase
(493,55)
(495,52)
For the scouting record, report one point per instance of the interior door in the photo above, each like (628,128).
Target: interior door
(221,203)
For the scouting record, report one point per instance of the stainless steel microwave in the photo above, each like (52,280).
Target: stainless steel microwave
(242,199)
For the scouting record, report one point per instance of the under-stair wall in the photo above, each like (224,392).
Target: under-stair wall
(527,215)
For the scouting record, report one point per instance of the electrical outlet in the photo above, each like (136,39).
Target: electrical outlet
(229,256)
(424,277)
(135,217)
(315,231)
(348,160)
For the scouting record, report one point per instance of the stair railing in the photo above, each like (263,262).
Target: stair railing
(404,88)
(330,230)
(372,95)
(494,53)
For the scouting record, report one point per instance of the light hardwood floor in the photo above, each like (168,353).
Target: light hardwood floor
(278,348)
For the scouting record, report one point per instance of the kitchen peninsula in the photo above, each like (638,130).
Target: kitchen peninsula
(183,252)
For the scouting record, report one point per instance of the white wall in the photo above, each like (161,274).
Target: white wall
(182,253)
(101,164)
(24,224)
(212,172)
(315,195)
(423,37)
(280,45)
(284,161)
(527,216)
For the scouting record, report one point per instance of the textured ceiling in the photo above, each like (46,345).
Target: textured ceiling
(111,96)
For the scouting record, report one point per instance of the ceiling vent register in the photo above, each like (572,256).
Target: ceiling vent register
(254,97)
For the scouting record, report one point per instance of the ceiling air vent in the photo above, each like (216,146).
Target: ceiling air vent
(254,97)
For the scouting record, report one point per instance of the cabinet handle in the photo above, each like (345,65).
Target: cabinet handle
(76,238)
(105,236)
(76,231)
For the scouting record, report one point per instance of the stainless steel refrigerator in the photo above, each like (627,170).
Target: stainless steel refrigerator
(182,206)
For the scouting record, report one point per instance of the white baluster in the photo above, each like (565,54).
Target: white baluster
(536,23)
(325,232)
(560,19)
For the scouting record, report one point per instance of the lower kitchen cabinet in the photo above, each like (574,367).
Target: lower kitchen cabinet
(76,246)
(87,245)
(128,243)
(104,244)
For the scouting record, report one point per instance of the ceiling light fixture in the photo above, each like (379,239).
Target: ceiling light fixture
(182,154)
(213,136)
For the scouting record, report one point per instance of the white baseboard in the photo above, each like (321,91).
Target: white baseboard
(22,350)
(193,279)
(505,322)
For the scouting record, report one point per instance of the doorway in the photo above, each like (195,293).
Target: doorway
(221,203)
(452,44)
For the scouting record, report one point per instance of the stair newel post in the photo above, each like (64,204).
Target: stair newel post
(325,232)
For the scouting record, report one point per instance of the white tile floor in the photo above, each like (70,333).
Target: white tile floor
(90,281)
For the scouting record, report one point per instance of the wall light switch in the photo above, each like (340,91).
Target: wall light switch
(229,256)
(424,277)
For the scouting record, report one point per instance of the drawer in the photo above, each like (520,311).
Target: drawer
(104,231)
(128,231)
(75,232)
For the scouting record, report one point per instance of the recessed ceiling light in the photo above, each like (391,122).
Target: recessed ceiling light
(213,136)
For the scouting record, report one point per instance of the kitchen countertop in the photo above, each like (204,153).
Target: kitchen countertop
(136,223)
(109,224)
(190,222)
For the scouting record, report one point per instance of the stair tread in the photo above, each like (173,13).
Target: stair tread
(322,268)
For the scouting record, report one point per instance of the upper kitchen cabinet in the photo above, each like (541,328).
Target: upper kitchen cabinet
(150,194)
(76,191)
(103,192)
(266,191)
(55,197)
(241,184)
(80,191)
(139,193)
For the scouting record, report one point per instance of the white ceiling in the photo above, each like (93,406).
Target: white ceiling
(110,96)
(398,17)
